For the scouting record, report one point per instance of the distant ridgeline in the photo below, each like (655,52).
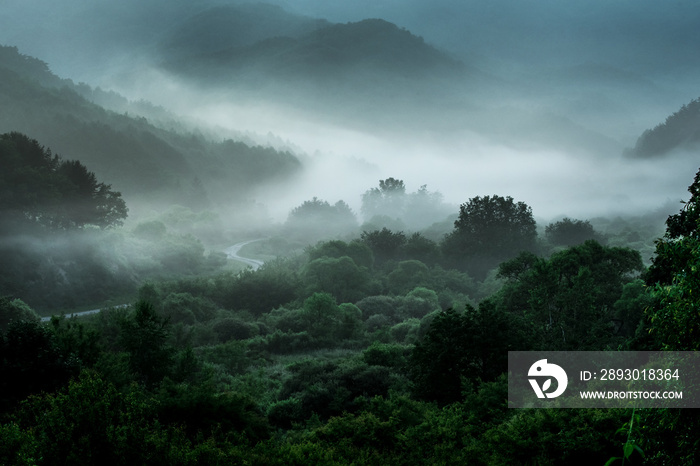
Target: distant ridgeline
(680,131)
(141,158)
(265,50)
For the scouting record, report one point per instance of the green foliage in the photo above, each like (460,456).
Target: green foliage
(18,447)
(408,275)
(383,354)
(553,436)
(74,338)
(675,278)
(490,230)
(44,191)
(675,250)
(631,444)
(233,329)
(257,291)
(359,252)
(231,356)
(340,277)
(329,388)
(31,361)
(318,219)
(420,248)
(206,413)
(14,310)
(186,308)
(629,309)
(568,300)
(385,244)
(90,422)
(461,348)
(568,232)
(144,336)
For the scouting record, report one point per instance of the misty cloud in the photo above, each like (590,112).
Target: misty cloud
(561,91)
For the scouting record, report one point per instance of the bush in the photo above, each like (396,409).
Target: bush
(233,329)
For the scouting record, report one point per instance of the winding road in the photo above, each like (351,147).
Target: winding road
(231,253)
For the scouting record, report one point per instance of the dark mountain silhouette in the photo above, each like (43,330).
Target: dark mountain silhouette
(370,58)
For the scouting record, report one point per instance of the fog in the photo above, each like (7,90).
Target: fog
(553,95)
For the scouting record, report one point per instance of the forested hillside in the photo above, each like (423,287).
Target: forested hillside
(140,159)
(680,131)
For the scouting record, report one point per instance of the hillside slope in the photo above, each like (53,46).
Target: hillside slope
(681,130)
(140,159)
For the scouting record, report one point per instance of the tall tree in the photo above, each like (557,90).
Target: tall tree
(144,335)
(317,219)
(674,278)
(488,231)
(568,232)
(388,199)
(40,189)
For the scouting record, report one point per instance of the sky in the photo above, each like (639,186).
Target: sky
(602,71)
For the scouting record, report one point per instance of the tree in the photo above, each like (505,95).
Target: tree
(31,361)
(568,232)
(356,250)
(388,199)
(674,277)
(488,231)
(421,248)
(390,204)
(40,189)
(15,310)
(322,314)
(408,275)
(569,299)
(385,244)
(318,219)
(462,348)
(340,277)
(144,336)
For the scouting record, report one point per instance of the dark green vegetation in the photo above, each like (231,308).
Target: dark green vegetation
(379,339)
(383,347)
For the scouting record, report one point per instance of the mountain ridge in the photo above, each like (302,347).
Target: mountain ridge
(137,157)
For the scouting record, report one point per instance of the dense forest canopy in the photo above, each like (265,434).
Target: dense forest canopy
(355,349)
(375,324)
